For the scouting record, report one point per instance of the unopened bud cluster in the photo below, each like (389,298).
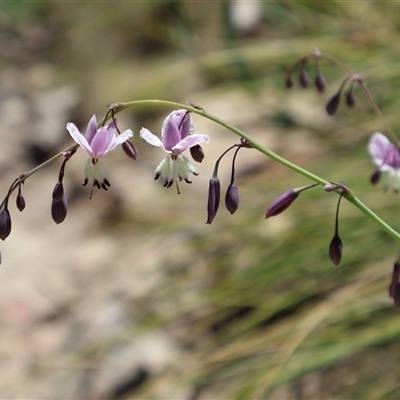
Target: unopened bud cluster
(232,192)
(300,67)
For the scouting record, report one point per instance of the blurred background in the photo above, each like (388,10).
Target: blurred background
(134,296)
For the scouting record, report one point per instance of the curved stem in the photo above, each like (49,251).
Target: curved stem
(118,107)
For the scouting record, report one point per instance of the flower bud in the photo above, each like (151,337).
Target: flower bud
(59,210)
(58,192)
(214,194)
(232,198)
(376,176)
(395,279)
(336,250)
(304,79)
(281,203)
(320,83)
(333,104)
(285,200)
(20,202)
(130,150)
(197,153)
(396,295)
(330,187)
(5,223)
(289,82)
(350,99)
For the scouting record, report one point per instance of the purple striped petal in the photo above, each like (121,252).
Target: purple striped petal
(117,140)
(188,142)
(91,129)
(101,142)
(150,138)
(79,138)
(170,132)
(379,147)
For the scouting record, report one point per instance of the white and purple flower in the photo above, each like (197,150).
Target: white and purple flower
(97,143)
(386,156)
(176,137)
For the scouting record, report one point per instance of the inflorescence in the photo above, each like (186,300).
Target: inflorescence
(177,136)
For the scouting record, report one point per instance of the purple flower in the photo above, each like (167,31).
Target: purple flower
(176,137)
(97,143)
(386,156)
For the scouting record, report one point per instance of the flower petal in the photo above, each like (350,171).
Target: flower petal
(188,142)
(185,124)
(150,138)
(91,129)
(379,147)
(79,138)
(101,142)
(170,131)
(117,140)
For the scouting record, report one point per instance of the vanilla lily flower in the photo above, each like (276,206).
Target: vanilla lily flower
(176,137)
(97,143)
(386,156)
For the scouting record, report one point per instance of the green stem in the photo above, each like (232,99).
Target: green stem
(118,107)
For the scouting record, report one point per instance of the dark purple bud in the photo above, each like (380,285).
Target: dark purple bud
(395,279)
(20,202)
(304,79)
(5,223)
(289,82)
(197,153)
(58,192)
(396,296)
(59,210)
(333,104)
(336,250)
(285,200)
(214,194)
(130,150)
(350,99)
(232,198)
(281,203)
(376,176)
(320,83)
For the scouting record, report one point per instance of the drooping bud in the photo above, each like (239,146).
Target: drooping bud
(304,79)
(20,200)
(336,250)
(350,99)
(281,203)
(320,83)
(130,150)
(395,279)
(232,198)
(289,82)
(59,210)
(396,296)
(58,192)
(285,200)
(197,153)
(333,104)
(5,223)
(214,194)
(376,176)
